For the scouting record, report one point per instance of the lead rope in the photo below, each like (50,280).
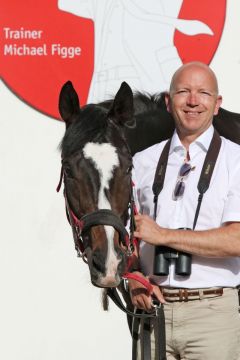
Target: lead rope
(159,320)
(142,322)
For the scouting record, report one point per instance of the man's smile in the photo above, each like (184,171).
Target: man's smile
(190,113)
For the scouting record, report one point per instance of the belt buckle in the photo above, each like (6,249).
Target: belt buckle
(183,295)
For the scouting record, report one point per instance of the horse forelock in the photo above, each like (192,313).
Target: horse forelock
(90,126)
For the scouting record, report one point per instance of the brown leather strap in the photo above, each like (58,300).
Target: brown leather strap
(209,163)
(207,171)
(187,294)
(160,175)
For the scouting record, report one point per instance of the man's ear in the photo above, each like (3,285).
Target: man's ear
(218,104)
(168,102)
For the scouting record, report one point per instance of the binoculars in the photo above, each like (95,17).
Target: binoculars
(163,257)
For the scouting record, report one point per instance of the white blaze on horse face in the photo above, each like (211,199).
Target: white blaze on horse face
(105,159)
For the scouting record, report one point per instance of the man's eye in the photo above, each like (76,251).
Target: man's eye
(181,91)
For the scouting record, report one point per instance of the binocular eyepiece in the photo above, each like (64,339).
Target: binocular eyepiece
(163,257)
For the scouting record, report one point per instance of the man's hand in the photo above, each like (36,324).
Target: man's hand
(140,296)
(148,230)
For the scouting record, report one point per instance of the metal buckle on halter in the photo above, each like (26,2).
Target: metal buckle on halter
(130,249)
(84,257)
(79,254)
(78,231)
(78,239)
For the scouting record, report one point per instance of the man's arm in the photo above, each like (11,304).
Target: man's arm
(220,242)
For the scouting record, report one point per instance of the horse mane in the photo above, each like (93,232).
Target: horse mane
(143,102)
(153,122)
(91,124)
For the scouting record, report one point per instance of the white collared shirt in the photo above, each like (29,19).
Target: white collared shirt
(221,203)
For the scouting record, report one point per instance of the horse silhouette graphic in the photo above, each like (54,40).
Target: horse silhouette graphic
(134,41)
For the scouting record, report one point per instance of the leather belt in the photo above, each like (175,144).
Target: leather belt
(175,294)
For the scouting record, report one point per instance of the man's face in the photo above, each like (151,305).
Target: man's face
(193,100)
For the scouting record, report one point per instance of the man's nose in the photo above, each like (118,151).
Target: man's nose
(192,99)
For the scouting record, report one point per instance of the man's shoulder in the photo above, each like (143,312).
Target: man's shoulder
(230,146)
(231,153)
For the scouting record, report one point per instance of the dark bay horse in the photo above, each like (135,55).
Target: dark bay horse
(97,150)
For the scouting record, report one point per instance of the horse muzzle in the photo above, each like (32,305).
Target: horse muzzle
(106,266)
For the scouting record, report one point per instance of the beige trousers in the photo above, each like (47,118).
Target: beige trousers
(206,329)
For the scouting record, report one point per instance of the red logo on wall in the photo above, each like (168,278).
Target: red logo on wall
(46,43)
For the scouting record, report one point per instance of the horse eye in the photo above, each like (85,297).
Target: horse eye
(68,172)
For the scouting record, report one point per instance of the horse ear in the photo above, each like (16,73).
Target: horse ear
(68,103)
(122,108)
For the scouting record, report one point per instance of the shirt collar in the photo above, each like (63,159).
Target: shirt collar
(203,141)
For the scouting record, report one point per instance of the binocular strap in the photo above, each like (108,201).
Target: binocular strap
(205,177)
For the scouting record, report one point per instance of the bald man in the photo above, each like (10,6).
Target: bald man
(201,305)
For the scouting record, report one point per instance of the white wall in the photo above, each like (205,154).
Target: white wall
(226,62)
(48,308)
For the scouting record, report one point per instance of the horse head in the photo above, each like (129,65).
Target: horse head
(96,170)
